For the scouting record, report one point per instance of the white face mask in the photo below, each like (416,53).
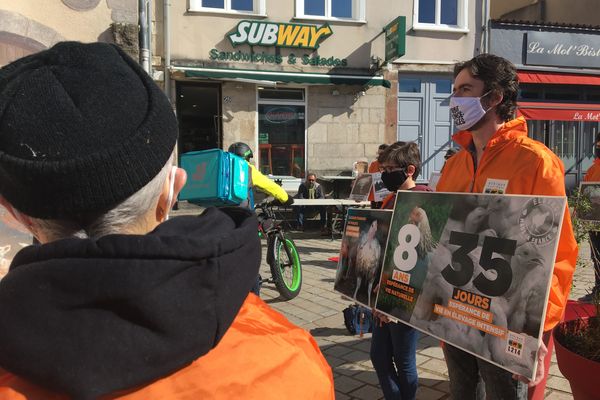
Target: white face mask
(171,191)
(467,111)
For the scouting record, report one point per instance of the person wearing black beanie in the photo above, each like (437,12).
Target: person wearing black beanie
(117,301)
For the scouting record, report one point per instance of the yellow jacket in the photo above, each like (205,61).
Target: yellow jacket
(593,173)
(530,168)
(267,186)
(291,366)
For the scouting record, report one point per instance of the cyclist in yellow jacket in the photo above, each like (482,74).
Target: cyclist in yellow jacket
(258,180)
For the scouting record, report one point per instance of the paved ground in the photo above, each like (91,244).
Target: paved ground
(319,310)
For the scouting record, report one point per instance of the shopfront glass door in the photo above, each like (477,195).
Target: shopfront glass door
(199,116)
(281,138)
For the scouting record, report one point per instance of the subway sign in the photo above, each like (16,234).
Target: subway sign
(279,34)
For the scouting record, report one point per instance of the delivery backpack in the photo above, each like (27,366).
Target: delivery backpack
(215,178)
(358,319)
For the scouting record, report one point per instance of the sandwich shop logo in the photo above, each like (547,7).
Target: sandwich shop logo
(279,34)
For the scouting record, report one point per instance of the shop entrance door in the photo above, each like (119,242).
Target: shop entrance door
(281,128)
(424,117)
(199,116)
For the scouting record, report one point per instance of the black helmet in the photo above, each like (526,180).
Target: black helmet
(241,149)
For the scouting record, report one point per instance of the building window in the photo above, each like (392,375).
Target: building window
(229,6)
(441,15)
(335,10)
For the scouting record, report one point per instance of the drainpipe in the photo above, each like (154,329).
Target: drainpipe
(144,36)
(485,31)
(167,46)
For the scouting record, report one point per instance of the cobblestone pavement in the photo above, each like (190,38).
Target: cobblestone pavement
(318,309)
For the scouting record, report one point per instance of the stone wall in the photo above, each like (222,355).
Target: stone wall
(239,113)
(345,124)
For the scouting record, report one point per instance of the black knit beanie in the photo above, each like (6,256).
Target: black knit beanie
(82,127)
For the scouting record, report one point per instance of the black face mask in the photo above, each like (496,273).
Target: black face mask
(597,152)
(393,180)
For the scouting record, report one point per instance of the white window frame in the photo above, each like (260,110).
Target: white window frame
(462,18)
(258,5)
(358,12)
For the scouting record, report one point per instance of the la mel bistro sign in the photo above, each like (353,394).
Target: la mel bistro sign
(563,49)
(278,35)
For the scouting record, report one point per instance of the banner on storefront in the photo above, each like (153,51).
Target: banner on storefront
(563,49)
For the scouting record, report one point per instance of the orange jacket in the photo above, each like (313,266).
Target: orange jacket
(262,356)
(530,168)
(593,173)
(373,167)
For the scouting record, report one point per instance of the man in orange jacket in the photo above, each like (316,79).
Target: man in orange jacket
(495,148)
(593,175)
(117,301)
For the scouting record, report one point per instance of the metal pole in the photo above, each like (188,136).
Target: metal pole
(149,12)
(486,27)
(143,35)
(167,47)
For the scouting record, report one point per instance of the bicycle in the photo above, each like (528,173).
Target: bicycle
(282,255)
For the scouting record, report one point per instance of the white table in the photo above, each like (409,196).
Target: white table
(331,202)
(338,218)
(338,177)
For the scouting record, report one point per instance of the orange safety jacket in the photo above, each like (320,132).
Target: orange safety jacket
(373,168)
(531,169)
(262,356)
(593,173)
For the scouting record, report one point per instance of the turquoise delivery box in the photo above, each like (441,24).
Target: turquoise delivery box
(215,178)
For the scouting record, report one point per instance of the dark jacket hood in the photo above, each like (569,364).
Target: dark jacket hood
(89,317)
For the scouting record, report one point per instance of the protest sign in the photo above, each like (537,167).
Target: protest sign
(361,254)
(362,187)
(589,191)
(473,270)
(379,188)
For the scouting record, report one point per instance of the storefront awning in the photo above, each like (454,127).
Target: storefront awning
(557,78)
(560,111)
(286,77)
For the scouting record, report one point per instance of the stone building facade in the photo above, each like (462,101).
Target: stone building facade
(29,26)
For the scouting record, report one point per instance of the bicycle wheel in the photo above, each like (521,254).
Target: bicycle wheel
(285,266)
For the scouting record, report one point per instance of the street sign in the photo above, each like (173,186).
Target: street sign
(395,38)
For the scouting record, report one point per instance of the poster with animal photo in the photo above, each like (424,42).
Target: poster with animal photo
(362,187)
(361,254)
(588,208)
(473,270)
(379,188)
(13,237)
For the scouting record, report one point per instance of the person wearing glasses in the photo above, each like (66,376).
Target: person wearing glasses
(394,345)
(310,189)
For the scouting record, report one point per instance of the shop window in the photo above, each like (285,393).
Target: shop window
(281,139)
(337,10)
(409,85)
(229,6)
(444,15)
(443,86)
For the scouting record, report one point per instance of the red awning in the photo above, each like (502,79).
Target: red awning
(557,79)
(559,111)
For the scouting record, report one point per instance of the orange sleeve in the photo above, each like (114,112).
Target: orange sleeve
(549,180)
